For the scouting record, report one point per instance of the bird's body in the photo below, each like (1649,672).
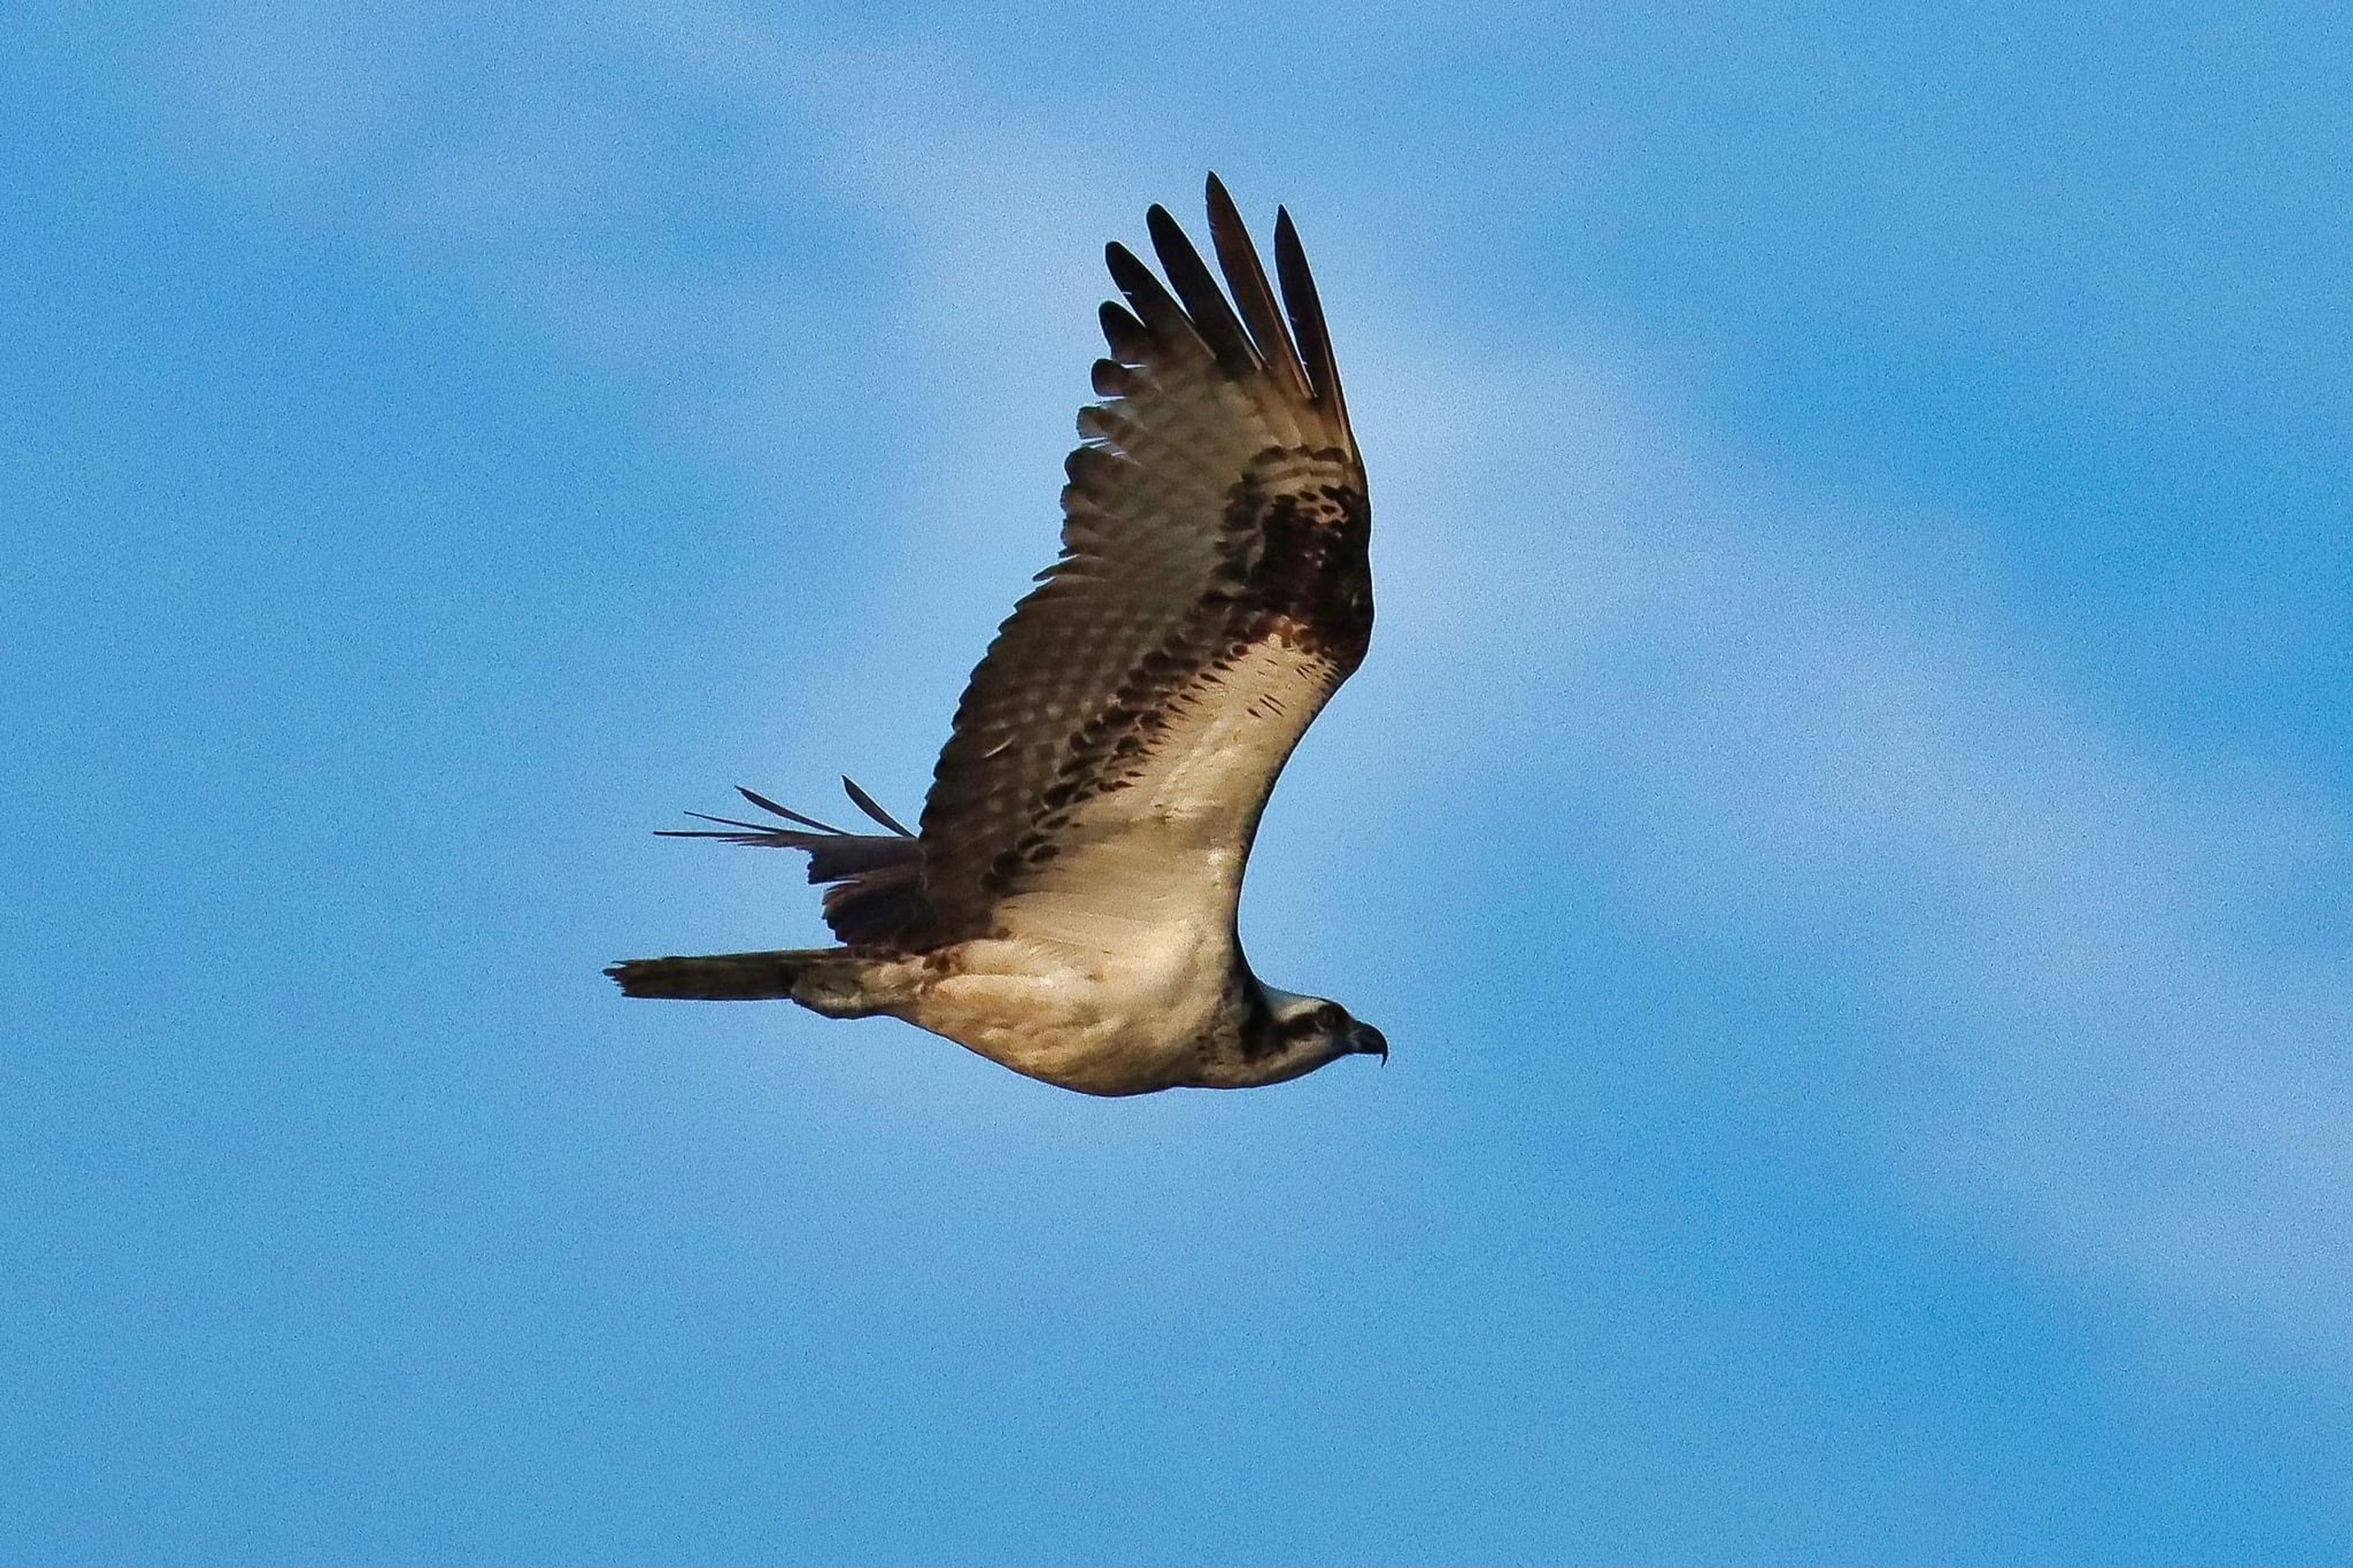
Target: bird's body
(1099,1016)
(1068,909)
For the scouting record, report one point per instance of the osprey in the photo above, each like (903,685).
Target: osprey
(1068,907)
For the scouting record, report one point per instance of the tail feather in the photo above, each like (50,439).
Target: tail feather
(716,977)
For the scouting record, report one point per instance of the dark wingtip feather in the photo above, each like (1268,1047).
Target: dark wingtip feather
(722,821)
(1125,335)
(1306,310)
(1111,379)
(1128,270)
(1253,296)
(1204,301)
(1155,306)
(866,804)
(764,804)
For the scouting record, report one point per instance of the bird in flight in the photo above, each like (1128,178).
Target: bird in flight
(1068,907)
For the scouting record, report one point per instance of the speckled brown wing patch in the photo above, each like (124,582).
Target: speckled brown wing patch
(1218,500)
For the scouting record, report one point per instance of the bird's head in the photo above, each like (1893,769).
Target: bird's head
(1306,1032)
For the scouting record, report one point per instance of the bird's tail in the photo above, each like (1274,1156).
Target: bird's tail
(720,976)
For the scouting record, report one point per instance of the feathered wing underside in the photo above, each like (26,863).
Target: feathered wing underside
(1113,750)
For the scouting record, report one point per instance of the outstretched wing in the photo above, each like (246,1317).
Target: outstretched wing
(1113,750)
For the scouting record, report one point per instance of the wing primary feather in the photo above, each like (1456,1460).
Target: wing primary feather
(1155,306)
(764,804)
(1128,340)
(761,838)
(1113,379)
(866,804)
(1307,315)
(722,821)
(1247,278)
(1204,300)
(746,832)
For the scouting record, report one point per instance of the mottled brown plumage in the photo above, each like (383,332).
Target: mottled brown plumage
(1067,905)
(1162,559)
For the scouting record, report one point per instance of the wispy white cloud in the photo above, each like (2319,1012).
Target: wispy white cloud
(1807,740)
(2076,952)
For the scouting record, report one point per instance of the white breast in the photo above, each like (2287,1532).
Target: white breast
(1108,1022)
(1112,964)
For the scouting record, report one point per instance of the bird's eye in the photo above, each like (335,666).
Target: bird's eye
(1329,1017)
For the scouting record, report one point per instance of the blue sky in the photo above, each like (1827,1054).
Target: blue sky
(1845,824)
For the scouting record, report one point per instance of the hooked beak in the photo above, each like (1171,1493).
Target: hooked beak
(1366,1041)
